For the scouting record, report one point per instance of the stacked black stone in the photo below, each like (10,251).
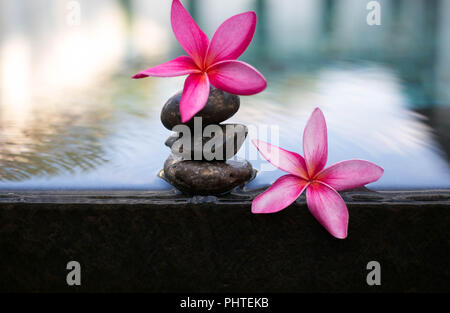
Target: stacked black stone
(200,164)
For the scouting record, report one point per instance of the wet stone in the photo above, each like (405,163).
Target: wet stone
(207,178)
(215,143)
(220,107)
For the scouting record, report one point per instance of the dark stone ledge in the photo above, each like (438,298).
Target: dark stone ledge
(167,242)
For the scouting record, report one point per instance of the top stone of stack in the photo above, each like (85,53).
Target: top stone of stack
(220,107)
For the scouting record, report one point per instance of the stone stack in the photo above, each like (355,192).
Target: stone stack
(200,164)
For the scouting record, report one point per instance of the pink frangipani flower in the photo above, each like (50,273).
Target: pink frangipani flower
(321,185)
(208,62)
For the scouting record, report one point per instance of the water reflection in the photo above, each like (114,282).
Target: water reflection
(368,118)
(70,117)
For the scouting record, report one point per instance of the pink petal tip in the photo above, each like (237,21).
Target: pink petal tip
(327,206)
(139,76)
(315,143)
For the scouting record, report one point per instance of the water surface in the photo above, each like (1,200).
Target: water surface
(71,117)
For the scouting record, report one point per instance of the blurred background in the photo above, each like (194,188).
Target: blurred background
(71,117)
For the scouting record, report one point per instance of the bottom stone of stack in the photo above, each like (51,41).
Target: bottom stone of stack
(207,178)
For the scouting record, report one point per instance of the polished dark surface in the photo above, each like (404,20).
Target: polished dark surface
(163,242)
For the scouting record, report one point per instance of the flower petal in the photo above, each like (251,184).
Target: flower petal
(232,38)
(236,77)
(178,67)
(350,174)
(315,143)
(287,161)
(195,95)
(327,206)
(189,35)
(280,195)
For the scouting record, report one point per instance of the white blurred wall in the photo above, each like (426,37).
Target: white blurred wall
(294,26)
